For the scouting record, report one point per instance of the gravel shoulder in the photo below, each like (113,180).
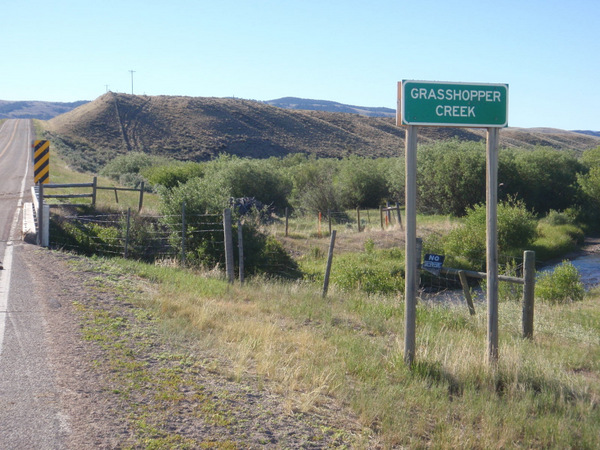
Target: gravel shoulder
(127,382)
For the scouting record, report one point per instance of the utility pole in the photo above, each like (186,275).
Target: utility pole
(132,71)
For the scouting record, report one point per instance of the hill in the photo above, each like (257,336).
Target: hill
(199,128)
(35,109)
(325,105)
(588,132)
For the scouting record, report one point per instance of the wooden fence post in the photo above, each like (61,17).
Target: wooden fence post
(319,225)
(183,233)
(528,292)
(329,220)
(229,265)
(126,250)
(465,285)
(141,196)
(358,218)
(381,215)
(241,250)
(94,190)
(287,216)
(399,216)
(329,261)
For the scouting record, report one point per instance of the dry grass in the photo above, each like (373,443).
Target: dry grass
(544,393)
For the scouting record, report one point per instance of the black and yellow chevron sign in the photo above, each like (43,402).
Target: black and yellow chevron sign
(41,162)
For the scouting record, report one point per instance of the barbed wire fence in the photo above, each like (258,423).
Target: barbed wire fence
(186,239)
(138,236)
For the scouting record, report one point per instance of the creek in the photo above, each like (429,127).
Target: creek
(588,267)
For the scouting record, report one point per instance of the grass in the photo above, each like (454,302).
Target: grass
(349,346)
(543,393)
(553,241)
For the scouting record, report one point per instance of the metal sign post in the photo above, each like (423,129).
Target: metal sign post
(491,202)
(474,105)
(410,259)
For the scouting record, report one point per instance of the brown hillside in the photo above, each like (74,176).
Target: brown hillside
(198,128)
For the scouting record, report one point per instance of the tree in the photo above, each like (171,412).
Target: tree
(361,182)
(544,178)
(450,177)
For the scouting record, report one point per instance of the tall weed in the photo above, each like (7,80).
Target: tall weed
(562,285)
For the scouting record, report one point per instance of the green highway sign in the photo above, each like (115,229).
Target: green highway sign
(448,104)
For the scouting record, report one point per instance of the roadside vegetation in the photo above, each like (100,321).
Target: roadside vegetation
(348,346)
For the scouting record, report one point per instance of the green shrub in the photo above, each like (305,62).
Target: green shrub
(350,275)
(544,178)
(173,174)
(130,163)
(204,204)
(361,182)
(516,231)
(88,238)
(313,187)
(450,177)
(242,177)
(562,285)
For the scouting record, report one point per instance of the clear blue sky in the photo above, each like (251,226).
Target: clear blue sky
(342,50)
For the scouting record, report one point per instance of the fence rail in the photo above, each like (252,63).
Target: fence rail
(92,195)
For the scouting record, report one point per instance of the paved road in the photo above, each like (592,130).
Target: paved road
(30,417)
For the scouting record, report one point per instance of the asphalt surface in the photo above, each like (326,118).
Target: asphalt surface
(30,417)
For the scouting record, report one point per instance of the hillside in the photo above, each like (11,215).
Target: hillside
(35,109)
(199,128)
(325,105)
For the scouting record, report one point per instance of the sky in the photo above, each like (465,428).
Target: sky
(348,51)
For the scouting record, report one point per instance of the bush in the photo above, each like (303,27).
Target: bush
(374,271)
(516,231)
(249,178)
(350,275)
(544,178)
(133,162)
(173,174)
(562,285)
(556,218)
(361,182)
(204,203)
(313,187)
(450,177)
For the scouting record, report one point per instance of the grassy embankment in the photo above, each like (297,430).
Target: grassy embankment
(542,393)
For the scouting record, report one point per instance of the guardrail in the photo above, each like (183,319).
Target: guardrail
(41,216)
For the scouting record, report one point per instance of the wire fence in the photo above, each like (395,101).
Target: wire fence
(139,236)
(197,240)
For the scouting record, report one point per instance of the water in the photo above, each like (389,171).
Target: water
(589,269)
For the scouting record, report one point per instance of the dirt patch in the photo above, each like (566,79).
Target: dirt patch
(125,382)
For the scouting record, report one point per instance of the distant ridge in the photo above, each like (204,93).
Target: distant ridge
(36,109)
(200,128)
(588,132)
(329,106)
